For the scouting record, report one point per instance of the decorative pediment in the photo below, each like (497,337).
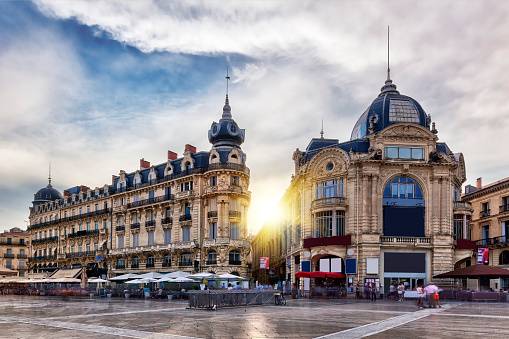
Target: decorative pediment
(406,131)
(329,162)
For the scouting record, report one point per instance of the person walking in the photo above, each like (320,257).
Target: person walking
(401,292)
(392,291)
(420,296)
(373,291)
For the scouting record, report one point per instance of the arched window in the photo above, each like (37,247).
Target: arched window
(186,259)
(504,258)
(212,258)
(403,208)
(234,257)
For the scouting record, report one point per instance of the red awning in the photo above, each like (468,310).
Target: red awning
(330,275)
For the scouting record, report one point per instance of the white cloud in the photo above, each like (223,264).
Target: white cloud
(308,60)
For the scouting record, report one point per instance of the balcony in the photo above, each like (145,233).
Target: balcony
(44,240)
(135,226)
(167,221)
(183,244)
(83,233)
(185,217)
(225,241)
(328,202)
(341,240)
(212,214)
(234,214)
(21,256)
(44,257)
(228,166)
(464,244)
(9,255)
(502,241)
(184,194)
(405,240)
(460,206)
(81,254)
(484,214)
(150,201)
(150,223)
(5,242)
(120,228)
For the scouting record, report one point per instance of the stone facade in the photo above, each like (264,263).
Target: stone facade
(188,213)
(490,223)
(268,243)
(340,192)
(13,252)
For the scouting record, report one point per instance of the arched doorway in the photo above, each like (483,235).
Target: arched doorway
(403,208)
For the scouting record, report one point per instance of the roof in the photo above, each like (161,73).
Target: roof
(476,271)
(317,144)
(63,273)
(494,186)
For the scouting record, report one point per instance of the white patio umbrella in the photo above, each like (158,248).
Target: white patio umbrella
(182,280)
(165,279)
(97,280)
(203,275)
(141,281)
(125,277)
(152,275)
(177,274)
(229,276)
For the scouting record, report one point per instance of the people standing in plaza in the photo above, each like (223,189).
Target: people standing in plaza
(401,292)
(358,290)
(373,290)
(392,291)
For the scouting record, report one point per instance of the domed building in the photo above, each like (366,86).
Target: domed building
(46,194)
(379,207)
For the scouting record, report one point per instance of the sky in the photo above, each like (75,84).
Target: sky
(93,86)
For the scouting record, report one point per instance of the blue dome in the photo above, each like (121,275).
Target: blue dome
(226,132)
(390,107)
(46,194)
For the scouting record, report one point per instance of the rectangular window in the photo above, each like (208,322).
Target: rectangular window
(234,232)
(96,226)
(212,230)
(213,180)
(391,152)
(136,239)
(235,180)
(150,235)
(329,189)
(323,224)
(186,233)
(404,153)
(340,223)
(151,195)
(417,153)
(167,236)
(120,241)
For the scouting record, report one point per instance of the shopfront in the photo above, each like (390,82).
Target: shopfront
(408,268)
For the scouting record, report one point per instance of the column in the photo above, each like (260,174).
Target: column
(464,226)
(364,214)
(374,204)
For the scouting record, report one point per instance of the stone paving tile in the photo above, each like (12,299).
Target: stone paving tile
(495,309)
(439,326)
(16,330)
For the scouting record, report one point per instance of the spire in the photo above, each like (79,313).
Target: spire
(49,174)
(227,111)
(389,86)
(321,131)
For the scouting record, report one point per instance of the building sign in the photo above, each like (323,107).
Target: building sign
(351,266)
(264,263)
(305,265)
(483,255)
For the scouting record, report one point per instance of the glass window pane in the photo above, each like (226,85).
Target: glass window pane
(391,152)
(404,153)
(417,153)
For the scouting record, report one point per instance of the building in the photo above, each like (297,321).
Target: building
(381,205)
(13,252)
(489,226)
(188,213)
(267,243)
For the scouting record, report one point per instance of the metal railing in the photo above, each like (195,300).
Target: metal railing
(9,255)
(83,233)
(212,214)
(149,201)
(150,223)
(213,299)
(44,240)
(135,226)
(405,240)
(234,214)
(185,217)
(120,228)
(485,213)
(167,220)
(495,241)
(22,256)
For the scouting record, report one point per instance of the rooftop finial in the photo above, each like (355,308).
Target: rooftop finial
(49,174)
(388,55)
(227,111)
(321,131)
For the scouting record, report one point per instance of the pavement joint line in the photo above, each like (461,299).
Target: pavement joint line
(384,325)
(345,309)
(95,328)
(91,315)
(476,315)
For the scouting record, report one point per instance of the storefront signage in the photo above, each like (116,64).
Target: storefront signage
(483,255)
(264,263)
(351,266)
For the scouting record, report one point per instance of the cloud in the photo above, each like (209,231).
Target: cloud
(293,64)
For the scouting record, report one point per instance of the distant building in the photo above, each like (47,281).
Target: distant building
(13,252)
(188,213)
(489,226)
(379,207)
(267,243)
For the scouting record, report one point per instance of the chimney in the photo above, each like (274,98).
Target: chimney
(190,148)
(478,183)
(144,164)
(172,155)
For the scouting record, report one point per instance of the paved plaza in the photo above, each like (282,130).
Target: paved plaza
(43,317)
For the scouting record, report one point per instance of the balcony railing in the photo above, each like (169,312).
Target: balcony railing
(342,240)
(81,254)
(83,233)
(462,205)
(185,217)
(44,240)
(212,214)
(328,202)
(234,167)
(405,240)
(135,226)
(167,220)
(12,243)
(149,201)
(21,256)
(493,242)
(150,223)
(235,214)
(484,214)
(9,255)
(44,257)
